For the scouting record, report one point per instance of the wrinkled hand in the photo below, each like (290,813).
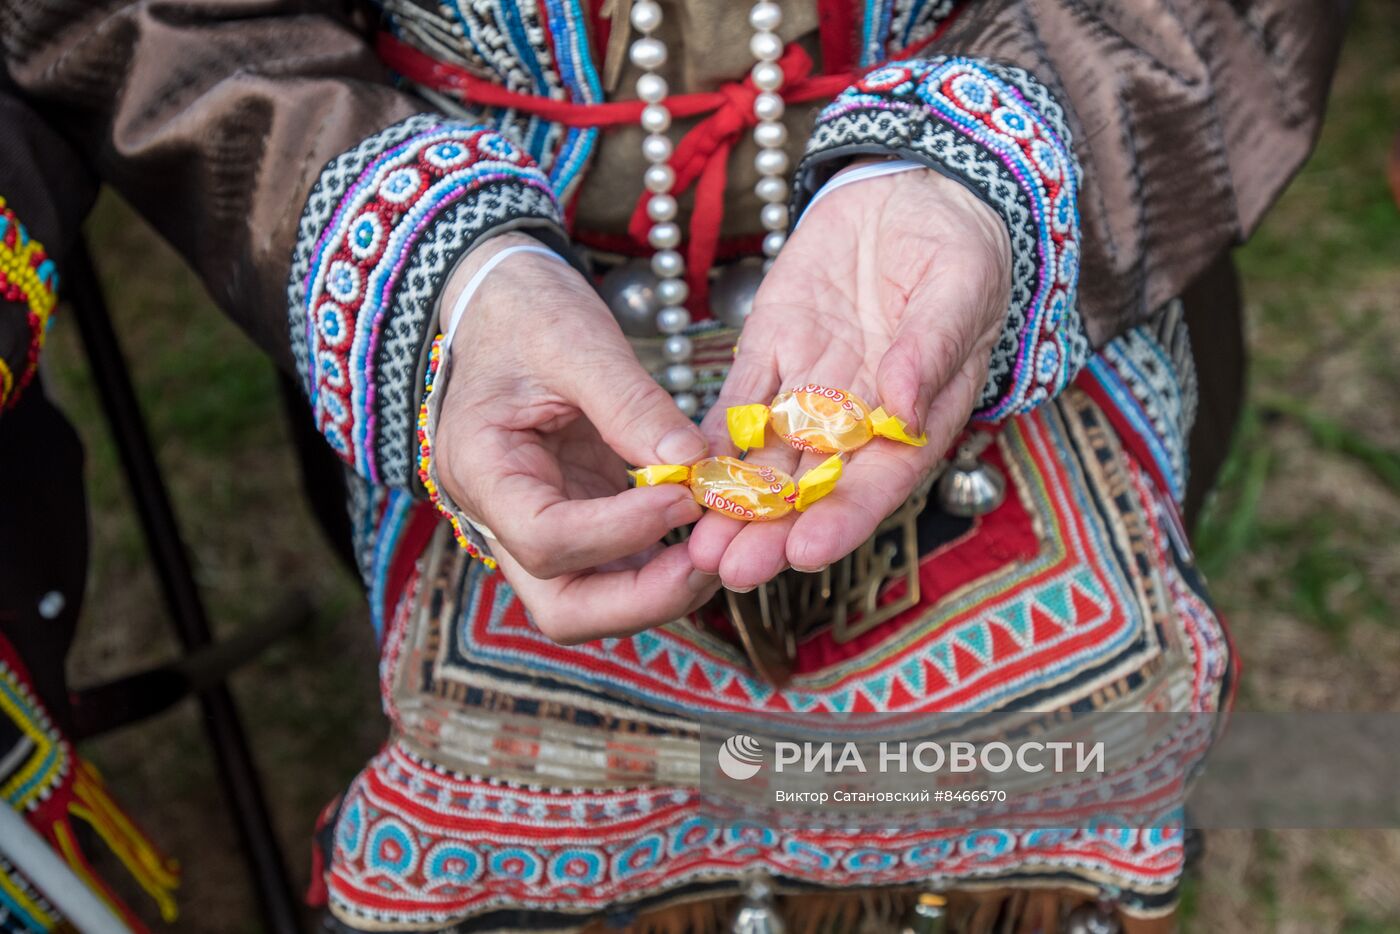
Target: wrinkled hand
(545,406)
(896,289)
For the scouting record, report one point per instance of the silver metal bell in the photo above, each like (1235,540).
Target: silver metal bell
(758,913)
(928,916)
(968,486)
(1099,918)
(630,293)
(731,295)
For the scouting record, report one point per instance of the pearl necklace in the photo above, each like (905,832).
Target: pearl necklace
(649,54)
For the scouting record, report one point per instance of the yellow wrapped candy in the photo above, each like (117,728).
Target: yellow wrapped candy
(751,492)
(818,419)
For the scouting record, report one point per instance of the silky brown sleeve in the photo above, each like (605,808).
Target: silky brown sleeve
(212,118)
(320,207)
(1188,117)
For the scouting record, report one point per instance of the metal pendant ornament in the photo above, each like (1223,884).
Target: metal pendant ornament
(970,487)
(733,291)
(758,913)
(630,292)
(1097,918)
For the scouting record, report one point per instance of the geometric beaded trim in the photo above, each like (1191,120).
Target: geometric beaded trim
(27,276)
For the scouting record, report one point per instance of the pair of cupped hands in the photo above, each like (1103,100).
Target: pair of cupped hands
(894,288)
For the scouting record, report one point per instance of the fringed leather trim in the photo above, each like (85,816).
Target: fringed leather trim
(993,911)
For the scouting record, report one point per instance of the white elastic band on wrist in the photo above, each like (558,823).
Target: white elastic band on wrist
(459,307)
(860,173)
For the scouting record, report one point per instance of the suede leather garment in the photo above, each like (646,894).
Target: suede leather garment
(214,118)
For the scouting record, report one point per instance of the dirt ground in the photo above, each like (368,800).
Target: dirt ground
(1302,541)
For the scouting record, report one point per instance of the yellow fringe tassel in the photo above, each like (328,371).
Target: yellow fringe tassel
(159,876)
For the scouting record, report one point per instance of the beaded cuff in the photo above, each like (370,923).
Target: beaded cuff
(27,277)
(384,225)
(998,131)
(467,535)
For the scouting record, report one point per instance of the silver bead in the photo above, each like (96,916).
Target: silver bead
(659,178)
(667,264)
(672,320)
(646,15)
(970,487)
(655,118)
(774,216)
(665,236)
(765,16)
(771,188)
(771,162)
(652,88)
(773,242)
(51,604)
(758,913)
(768,106)
(656,148)
(770,134)
(687,403)
(765,46)
(1092,919)
(767,76)
(677,348)
(731,296)
(678,378)
(630,293)
(648,53)
(672,291)
(661,208)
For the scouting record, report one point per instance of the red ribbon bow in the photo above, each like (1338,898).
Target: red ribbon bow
(701,158)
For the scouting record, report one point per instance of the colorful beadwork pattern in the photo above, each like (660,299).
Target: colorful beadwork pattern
(1150,376)
(28,278)
(417,846)
(368,264)
(531,46)
(891,25)
(425,463)
(23,910)
(44,780)
(38,761)
(1000,131)
(913,21)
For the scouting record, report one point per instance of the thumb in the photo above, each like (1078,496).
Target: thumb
(635,416)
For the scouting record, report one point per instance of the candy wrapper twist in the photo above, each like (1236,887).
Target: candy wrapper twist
(752,492)
(817,419)
(812,418)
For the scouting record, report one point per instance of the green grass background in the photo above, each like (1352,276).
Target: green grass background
(1301,541)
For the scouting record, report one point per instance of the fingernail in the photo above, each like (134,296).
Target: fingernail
(921,407)
(699,580)
(816,570)
(682,512)
(748,589)
(682,446)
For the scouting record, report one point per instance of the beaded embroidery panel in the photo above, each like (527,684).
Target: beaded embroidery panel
(580,811)
(383,225)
